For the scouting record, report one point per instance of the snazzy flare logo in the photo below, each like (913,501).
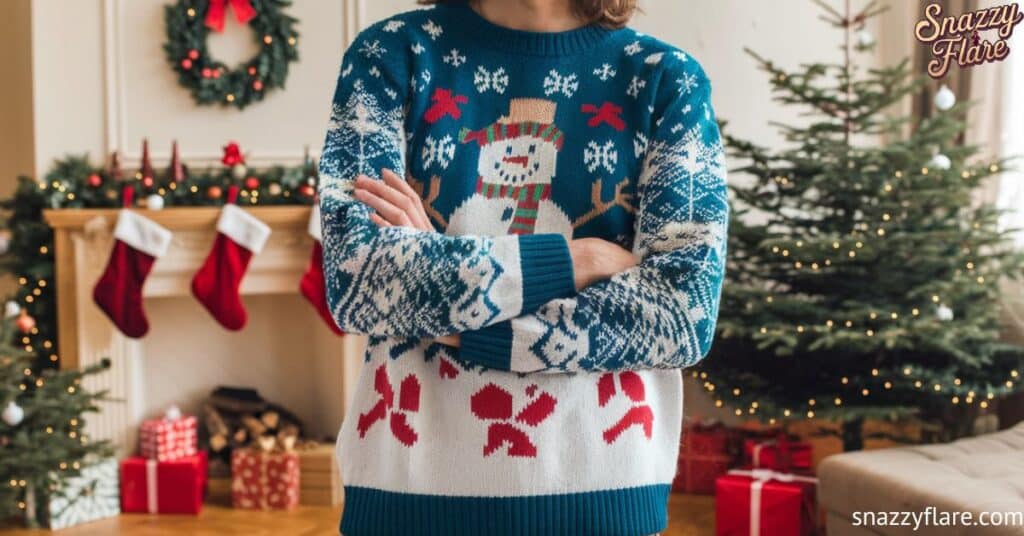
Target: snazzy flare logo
(959,38)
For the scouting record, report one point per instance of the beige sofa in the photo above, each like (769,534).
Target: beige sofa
(978,474)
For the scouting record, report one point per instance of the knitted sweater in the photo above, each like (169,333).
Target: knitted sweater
(561,411)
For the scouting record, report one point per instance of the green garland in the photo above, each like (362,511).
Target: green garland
(75,183)
(213,82)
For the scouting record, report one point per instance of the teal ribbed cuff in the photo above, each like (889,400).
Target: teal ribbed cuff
(490,347)
(546,269)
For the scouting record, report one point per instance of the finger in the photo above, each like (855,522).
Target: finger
(417,212)
(389,212)
(381,222)
(386,191)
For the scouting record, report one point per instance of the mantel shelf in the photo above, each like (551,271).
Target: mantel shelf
(178,218)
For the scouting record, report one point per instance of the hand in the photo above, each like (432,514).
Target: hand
(450,340)
(595,260)
(394,202)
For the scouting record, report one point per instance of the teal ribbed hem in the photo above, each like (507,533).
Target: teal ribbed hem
(490,347)
(637,511)
(546,268)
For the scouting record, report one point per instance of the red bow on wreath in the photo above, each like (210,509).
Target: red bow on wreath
(217,11)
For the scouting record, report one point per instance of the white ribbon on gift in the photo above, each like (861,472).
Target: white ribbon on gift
(151,502)
(756,455)
(760,476)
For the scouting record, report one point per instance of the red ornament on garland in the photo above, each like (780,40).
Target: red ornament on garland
(94,180)
(214,192)
(307,190)
(25,323)
(207,72)
(193,54)
(186,64)
(257,85)
(252,183)
(252,71)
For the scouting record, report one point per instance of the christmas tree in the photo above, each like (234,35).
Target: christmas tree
(41,430)
(862,281)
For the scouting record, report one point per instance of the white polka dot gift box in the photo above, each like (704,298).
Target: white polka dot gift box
(170,437)
(264,480)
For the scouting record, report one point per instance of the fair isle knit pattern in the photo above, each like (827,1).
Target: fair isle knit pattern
(560,412)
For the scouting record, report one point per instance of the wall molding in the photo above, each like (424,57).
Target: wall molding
(115,124)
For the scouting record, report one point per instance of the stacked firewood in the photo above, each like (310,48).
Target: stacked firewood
(237,417)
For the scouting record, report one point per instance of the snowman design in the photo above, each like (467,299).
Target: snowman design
(517,162)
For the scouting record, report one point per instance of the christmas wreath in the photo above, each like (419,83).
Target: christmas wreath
(211,81)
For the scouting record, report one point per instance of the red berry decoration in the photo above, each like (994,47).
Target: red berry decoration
(207,72)
(257,85)
(252,183)
(94,180)
(25,323)
(193,54)
(147,181)
(252,71)
(186,64)
(307,190)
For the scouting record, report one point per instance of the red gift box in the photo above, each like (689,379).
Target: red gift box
(264,480)
(168,438)
(778,454)
(703,457)
(173,487)
(761,502)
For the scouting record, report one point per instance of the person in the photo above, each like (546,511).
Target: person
(524,208)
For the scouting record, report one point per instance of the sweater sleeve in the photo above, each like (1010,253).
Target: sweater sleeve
(661,313)
(398,281)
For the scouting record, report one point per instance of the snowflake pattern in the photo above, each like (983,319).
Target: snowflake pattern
(417,48)
(600,156)
(635,85)
(454,59)
(372,49)
(433,29)
(393,25)
(654,59)
(639,145)
(687,83)
(605,72)
(633,48)
(346,71)
(438,151)
(485,80)
(556,82)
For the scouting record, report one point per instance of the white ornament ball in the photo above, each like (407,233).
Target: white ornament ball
(173,413)
(239,171)
(944,313)
(155,202)
(11,309)
(13,414)
(941,161)
(945,98)
(865,38)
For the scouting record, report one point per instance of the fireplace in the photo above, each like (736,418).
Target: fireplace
(285,344)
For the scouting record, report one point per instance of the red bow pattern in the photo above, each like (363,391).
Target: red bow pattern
(444,103)
(608,113)
(217,12)
(492,403)
(408,402)
(640,414)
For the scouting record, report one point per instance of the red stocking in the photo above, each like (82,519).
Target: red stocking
(139,241)
(240,235)
(312,284)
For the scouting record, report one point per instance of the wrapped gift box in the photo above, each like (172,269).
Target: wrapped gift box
(704,455)
(89,496)
(761,502)
(172,487)
(319,481)
(168,438)
(264,480)
(778,454)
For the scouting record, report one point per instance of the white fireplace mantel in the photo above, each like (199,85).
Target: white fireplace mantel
(82,243)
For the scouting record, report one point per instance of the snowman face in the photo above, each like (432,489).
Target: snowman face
(518,161)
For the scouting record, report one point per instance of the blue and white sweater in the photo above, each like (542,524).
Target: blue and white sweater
(561,411)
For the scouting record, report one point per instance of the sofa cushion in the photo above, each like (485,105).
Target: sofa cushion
(979,474)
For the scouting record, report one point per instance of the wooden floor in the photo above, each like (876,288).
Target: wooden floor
(689,515)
